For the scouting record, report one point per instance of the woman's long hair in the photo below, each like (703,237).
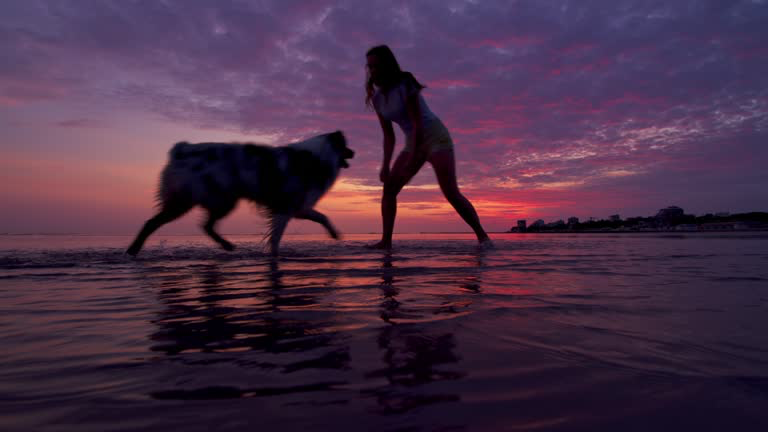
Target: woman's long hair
(389,70)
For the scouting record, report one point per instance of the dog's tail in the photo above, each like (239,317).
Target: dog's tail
(165,188)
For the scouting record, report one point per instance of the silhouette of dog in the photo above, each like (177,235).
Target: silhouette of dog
(285,181)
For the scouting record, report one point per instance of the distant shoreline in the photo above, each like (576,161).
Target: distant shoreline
(599,231)
(635,231)
(412,233)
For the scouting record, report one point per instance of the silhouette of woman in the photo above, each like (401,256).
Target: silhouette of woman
(395,95)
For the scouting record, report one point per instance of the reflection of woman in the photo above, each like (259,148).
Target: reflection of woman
(396,97)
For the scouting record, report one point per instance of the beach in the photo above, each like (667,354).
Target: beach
(563,332)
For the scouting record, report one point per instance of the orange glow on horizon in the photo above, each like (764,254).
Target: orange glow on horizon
(130,188)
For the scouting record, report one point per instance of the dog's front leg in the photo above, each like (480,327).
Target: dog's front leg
(316,216)
(278,223)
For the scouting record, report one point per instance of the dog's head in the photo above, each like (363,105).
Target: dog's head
(339,145)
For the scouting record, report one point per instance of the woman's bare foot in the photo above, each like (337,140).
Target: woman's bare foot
(380,245)
(485,243)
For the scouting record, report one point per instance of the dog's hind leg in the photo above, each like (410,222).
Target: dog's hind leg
(167,214)
(278,223)
(214,214)
(316,216)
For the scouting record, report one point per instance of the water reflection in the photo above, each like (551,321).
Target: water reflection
(472,279)
(288,326)
(414,354)
(197,317)
(241,321)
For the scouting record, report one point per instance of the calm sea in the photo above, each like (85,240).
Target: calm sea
(585,332)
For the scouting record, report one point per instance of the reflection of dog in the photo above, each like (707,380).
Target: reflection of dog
(286,181)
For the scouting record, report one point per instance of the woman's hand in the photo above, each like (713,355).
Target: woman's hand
(384,174)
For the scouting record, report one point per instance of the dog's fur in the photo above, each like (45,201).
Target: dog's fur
(285,181)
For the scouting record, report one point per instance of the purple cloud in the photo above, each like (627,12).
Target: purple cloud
(645,99)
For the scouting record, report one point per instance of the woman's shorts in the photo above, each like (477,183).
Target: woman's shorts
(436,138)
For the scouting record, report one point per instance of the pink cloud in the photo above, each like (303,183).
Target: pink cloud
(599,109)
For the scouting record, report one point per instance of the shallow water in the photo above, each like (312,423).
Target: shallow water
(543,332)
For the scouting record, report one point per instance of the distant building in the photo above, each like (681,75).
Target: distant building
(727,226)
(573,220)
(669,214)
(687,227)
(717,226)
(615,218)
(556,224)
(722,214)
(521,225)
(538,223)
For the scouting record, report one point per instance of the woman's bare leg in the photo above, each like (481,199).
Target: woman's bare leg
(401,173)
(444,165)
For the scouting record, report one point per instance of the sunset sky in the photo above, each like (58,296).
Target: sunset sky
(557,108)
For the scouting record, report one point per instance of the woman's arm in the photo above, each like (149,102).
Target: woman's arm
(389,146)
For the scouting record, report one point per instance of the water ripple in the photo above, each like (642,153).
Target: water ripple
(428,335)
